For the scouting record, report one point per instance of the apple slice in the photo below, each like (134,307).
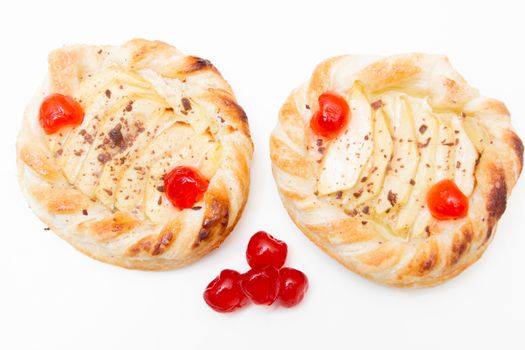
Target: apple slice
(92,94)
(201,149)
(150,121)
(348,154)
(465,157)
(427,140)
(374,174)
(476,133)
(445,149)
(133,181)
(405,159)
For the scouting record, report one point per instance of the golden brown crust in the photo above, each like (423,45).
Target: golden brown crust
(39,163)
(148,108)
(387,73)
(109,227)
(351,225)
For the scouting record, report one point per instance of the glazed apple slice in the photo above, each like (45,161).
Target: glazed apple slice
(464,158)
(405,158)
(201,149)
(348,154)
(371,181)
(427,140)
(445,149)
(132,182)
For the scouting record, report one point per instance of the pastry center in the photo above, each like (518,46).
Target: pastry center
(394,149)
(132,136)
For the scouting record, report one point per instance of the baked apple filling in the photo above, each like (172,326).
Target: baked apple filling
(394,149)
(131,137)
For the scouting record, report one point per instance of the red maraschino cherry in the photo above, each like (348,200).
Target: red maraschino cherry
(332,117)
(184,186)
(446,201)
(261,284)
(58,111)
(293,285)
(264,249)
(224,293)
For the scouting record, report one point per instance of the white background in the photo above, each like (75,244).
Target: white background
(52,297)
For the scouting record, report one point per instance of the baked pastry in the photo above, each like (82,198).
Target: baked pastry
(137,155)
(395,166)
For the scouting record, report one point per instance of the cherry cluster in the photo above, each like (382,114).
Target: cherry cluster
(263,284)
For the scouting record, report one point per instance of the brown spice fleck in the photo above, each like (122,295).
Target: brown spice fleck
(351,213)
(87,137)
(307,106)
(423,145)
(197,207)
(140,126)
(129,107)
(160,188)
(159,202)
(319,142)
(366,209)
(376,104)
(392,198)
(104,157)
(364,222)
(423,128)
(412,182)
(108,191)
(427,230)
(458,164)
(115,135)
(321,150)
(108,93)
(339,194)
(84,212)
(186,104)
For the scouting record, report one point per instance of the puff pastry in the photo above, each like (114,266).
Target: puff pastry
(169,109)
(361,196)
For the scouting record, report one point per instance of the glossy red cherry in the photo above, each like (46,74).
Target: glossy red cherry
(224,293)
(264,249)
(293,286)
(261,285)
(332,117)
(57,111)
(184,186)
(446,201)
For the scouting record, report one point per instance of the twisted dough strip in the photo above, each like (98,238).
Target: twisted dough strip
(103,193)
(384,234)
